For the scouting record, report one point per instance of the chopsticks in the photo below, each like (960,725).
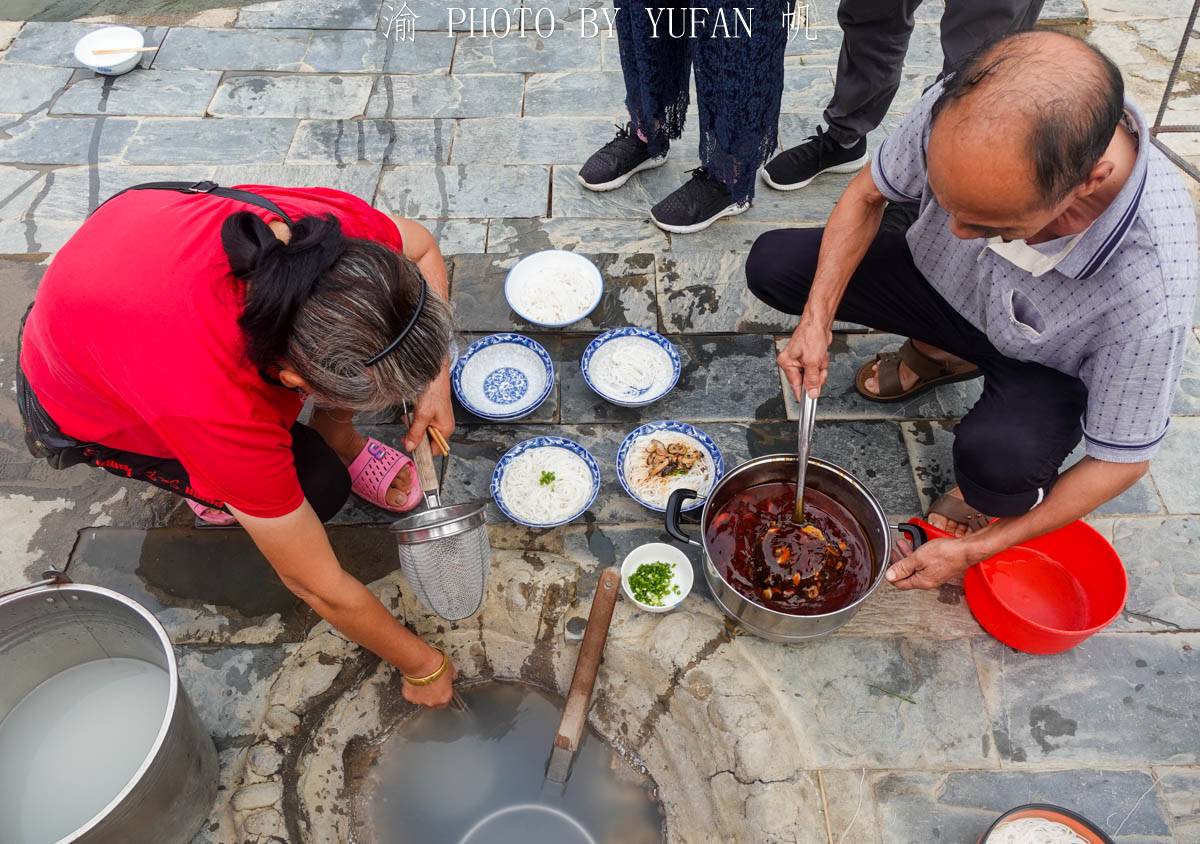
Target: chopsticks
(115,51)
(436,436)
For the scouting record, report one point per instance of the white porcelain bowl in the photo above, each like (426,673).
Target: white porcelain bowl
(653,552)
(110,38)
(553,288)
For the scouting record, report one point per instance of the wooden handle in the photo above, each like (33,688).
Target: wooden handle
(423,458)
(570,729)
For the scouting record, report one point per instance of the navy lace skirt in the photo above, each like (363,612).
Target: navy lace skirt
(739,80)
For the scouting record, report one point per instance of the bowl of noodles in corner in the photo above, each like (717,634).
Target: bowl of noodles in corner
(553,288)
(545,482)
(661,457)
(1043,823)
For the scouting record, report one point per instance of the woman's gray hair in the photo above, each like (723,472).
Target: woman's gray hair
(359,306)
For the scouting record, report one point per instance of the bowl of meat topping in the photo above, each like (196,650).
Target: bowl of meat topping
(545,482)
(631,367)
(661,457)
(553,288)
(503,376)
(656,576)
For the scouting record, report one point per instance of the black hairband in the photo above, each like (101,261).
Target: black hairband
(412,320)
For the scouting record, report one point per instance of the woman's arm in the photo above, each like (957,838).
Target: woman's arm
(298,549)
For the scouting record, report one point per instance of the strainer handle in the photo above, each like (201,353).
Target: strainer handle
(426,474)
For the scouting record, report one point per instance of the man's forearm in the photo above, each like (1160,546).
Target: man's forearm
(848,234)
(1080,490)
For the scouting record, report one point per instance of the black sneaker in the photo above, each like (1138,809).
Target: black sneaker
(796,167)
(613,164)
(696,206)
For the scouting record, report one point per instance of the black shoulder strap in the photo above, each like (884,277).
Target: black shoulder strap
(212,189)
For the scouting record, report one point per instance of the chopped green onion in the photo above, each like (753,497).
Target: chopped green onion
(650,583)
(547,479)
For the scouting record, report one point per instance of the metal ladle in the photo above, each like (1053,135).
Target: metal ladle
(808,417)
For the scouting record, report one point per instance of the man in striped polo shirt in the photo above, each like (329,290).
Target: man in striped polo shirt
(1055,255)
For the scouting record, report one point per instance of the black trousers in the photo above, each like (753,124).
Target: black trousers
(1009,447)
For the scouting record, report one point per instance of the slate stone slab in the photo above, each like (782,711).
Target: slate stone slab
(1180,790)
(27,88)
(628,299)
(806,89)
(459,236)
(380,141)
(166,93)
(358,51)
(53,43)
(212,141)
(579,93)
(818,43)
(329,97)
(483,95)
(435,15)
(518,236)
(212,586)
(548,410)
(732,234)
(959,806)
(466,190)
(1113,700)
(530,140)
(931,447)
(229,687)
(1177,466)
(564,50)
(1063,11)
(1162,561)
(706,292)
(724,378)
(358,179)
(64,140)
(191,48)
(312,14)
(842,719)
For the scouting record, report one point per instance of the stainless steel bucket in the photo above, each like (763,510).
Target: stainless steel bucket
(822,476)
(55,625)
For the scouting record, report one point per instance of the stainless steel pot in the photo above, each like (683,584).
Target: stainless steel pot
(54,625)
(824,477)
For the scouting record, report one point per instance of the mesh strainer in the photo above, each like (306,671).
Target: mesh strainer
(444,551)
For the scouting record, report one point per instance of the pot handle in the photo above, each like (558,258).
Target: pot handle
(672,517)
(50,577)
(915,533)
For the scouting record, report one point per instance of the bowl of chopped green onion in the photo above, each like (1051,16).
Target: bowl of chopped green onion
(656,576)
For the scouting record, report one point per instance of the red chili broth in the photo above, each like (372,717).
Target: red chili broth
(747,555)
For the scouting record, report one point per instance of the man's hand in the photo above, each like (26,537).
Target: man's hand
(931,565)
(432,408)
(436,695)
(805,358)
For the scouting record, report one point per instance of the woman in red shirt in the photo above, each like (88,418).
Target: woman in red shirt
(175,337)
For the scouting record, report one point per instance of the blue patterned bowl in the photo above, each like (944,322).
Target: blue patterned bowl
(544,442)
(700,439)
(503,376)
(642,391)
(541,274)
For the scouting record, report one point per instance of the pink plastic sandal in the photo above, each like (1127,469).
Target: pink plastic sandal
(372,473)
(211,515)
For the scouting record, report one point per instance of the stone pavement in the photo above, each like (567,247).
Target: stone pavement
(909,725)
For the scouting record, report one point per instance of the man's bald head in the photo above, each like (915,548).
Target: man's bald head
(1055,97)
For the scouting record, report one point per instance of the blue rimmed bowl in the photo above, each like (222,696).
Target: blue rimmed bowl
(699,439)
(542,275)
(536,443)
(503,376)
(633,389)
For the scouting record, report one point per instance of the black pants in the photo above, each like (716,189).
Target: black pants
(322,475)
(1009,447)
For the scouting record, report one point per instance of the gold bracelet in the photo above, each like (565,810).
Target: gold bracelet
(432,678)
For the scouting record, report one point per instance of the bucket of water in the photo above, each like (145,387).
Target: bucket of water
(98,740)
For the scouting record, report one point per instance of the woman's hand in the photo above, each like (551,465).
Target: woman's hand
(432,408)
(805,358)
(934,563)
(437,694)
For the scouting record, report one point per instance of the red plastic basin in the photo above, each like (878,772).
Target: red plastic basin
(1048,594)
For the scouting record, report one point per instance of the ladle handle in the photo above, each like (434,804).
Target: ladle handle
(423,459)
(570,729)
(808,418)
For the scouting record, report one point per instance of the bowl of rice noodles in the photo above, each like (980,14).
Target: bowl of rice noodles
(545,482)
(1043,823)
(553,288)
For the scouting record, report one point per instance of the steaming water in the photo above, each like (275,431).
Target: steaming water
(70,745)
(478,778)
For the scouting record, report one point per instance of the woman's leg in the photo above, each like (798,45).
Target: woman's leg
(656,67)
(739,84)
(321,472)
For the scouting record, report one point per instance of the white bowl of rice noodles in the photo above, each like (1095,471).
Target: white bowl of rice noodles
(1043,823)
(545,482)
(553,288)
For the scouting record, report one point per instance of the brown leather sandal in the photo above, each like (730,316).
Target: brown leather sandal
(956,510)
(930,373)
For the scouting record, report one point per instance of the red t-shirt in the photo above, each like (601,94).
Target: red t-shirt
(133,341)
